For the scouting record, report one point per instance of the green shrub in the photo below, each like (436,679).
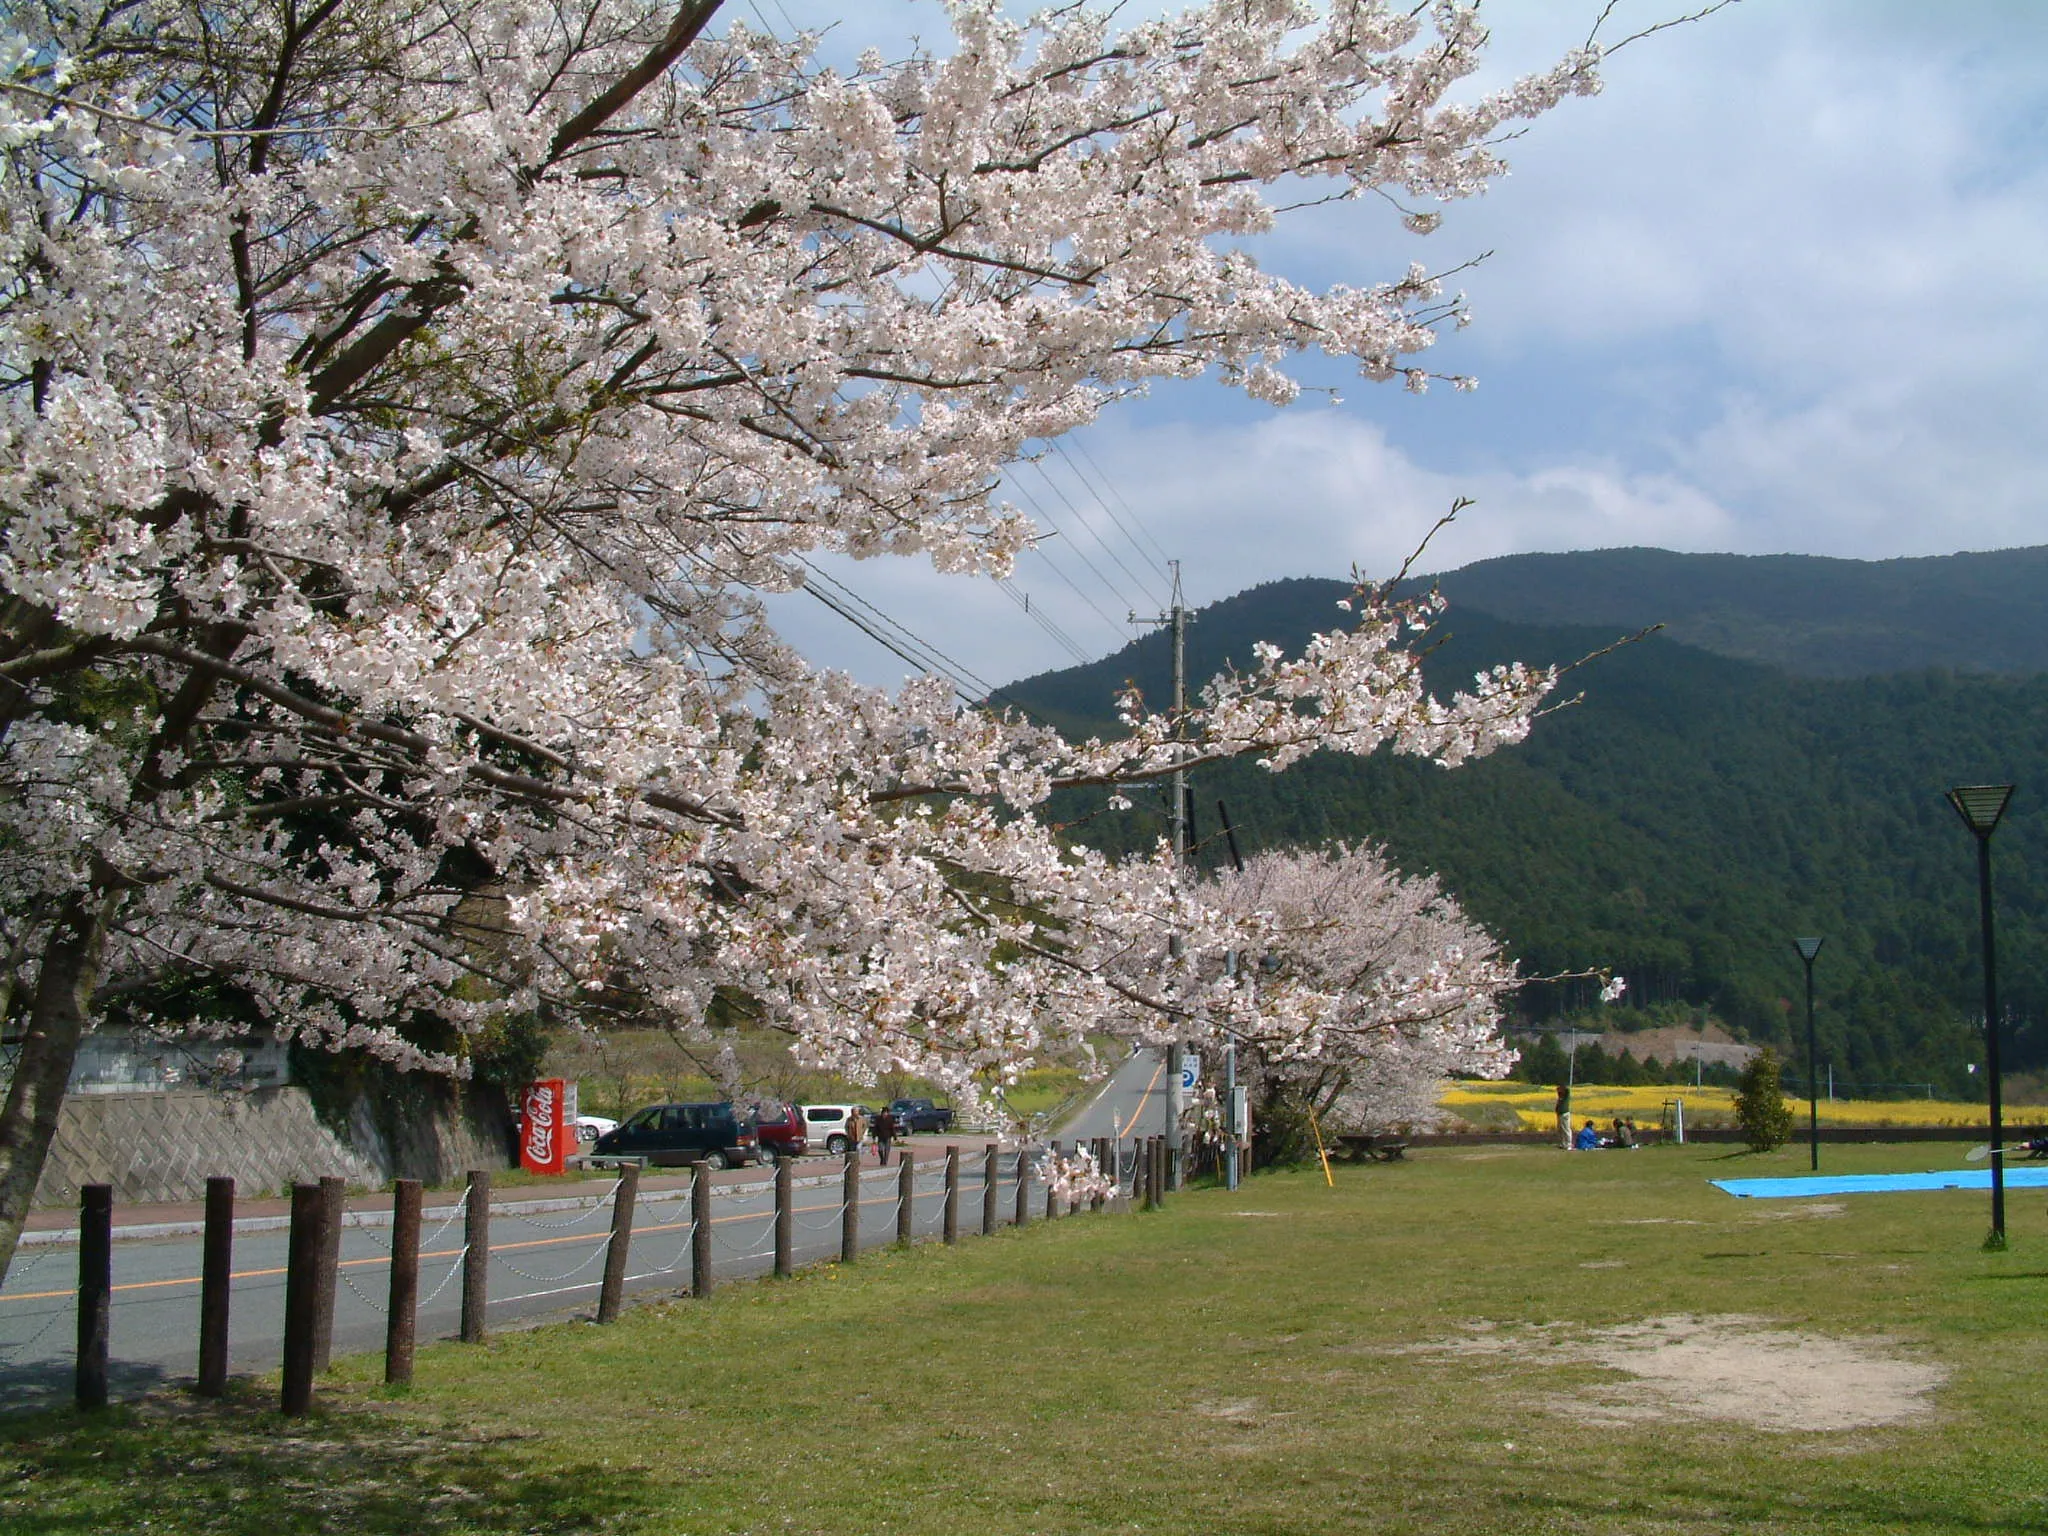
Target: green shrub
(1760,1107)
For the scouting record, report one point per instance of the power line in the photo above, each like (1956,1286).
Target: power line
(903,642)
(1038,615)
(1110,485)
(893,635)
(1102,501)
(1111,587)
(1053,565)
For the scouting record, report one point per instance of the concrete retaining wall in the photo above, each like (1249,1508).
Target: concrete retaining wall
(164,1146)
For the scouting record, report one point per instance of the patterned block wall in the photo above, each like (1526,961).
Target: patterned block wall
(164,1146)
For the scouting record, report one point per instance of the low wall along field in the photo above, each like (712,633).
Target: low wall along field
(1533,1107)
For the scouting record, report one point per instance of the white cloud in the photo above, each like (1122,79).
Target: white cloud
(1782,287)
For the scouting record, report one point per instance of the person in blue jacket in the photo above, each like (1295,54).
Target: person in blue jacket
(1589,1137)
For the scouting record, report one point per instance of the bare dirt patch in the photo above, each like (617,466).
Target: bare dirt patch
(1809,1210)
(1731,1368)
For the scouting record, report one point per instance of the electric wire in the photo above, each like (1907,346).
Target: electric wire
(1131,512)
(1081,553)
(1044,621)
(1101,543)
(907,644)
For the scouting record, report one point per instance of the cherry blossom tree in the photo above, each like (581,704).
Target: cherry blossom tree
(406,402)
(1385,988)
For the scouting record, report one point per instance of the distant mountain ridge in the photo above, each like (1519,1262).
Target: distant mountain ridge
(1807,614)
(1696,809)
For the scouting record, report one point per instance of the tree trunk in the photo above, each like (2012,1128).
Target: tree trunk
(64,982)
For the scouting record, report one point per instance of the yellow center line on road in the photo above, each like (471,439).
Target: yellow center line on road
(438,1253)
(1143,1093)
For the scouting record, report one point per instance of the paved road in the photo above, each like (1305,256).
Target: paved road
(542,1263)
(1134,1102)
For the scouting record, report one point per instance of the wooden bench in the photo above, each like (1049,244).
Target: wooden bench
(1386,1149)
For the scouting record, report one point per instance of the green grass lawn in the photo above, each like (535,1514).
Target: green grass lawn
(1419,1349)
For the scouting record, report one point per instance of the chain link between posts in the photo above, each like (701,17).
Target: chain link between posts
(43,1251)
(453,1270)
(830,1223)
(381,1308)
(603,1246)
(7,1356)
(718,1238)
(455,1214)
(574,1221)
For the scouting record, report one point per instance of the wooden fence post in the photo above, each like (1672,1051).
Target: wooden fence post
(402,1299)
(849,1214)
(301,1299)
(991,1177)
(1102,1164)
(700,1231)
(95,1291)
(216,1266)
(952,1223)
(1023,1212)
(333,1205)
(906,1196)
(613,1290)
(785,1217)
(476,1256)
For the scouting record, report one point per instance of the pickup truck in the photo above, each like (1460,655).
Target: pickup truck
(914,1116)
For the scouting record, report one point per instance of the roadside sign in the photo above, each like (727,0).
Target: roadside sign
(1190,1071)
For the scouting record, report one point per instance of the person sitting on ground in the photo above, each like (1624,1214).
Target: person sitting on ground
(1589,1137)
(1628,1133)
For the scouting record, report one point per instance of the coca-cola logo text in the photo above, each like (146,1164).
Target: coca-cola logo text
(540,1123)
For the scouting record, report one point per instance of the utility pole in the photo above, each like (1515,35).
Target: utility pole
(1176,618)
(1231,963)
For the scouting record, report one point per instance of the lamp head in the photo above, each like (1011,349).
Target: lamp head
(1808,948)
(1980,805)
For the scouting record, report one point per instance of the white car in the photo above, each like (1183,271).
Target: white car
(825,1126)
(590,1127)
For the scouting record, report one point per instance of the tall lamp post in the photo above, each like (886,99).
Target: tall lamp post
(1809,951)
(1981,806)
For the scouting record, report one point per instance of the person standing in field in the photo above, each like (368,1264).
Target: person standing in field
(1564,1116)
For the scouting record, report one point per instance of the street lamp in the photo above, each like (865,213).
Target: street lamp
(1809,950)
(1980,806)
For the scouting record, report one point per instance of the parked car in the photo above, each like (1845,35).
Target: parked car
(780,1130)
(590,1127)
(676,1135)
(825,1126)
(916,1116)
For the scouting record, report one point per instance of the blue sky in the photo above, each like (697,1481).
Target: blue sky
(1781,287)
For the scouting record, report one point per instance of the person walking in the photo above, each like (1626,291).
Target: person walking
(885,1133)
(856,1128)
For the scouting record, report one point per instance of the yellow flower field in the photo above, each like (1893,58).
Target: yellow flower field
(1534,1106)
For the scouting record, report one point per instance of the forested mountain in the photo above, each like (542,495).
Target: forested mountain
(1808,615)
(1681,823)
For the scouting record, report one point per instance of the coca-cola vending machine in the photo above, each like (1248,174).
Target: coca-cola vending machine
(545,1126)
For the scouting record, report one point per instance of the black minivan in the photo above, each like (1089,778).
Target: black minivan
(673,1135)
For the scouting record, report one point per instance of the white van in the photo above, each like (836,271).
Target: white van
(825,1126)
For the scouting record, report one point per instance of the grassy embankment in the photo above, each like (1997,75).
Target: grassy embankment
(1419,1349)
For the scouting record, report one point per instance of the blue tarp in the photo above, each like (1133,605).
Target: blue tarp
(1878,1183)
